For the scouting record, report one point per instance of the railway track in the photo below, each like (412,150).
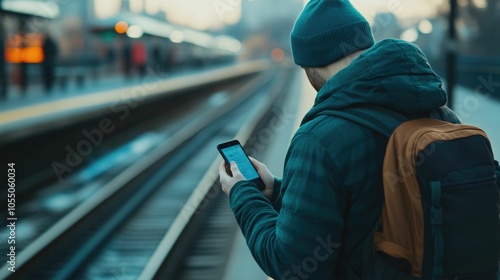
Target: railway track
(42,205)
(137,224)
(50,132)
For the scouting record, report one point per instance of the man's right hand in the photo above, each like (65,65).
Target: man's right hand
(266,176)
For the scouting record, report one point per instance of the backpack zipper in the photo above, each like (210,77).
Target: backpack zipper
(463,184)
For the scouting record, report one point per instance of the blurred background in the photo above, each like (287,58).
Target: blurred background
(83,42)
(110,112)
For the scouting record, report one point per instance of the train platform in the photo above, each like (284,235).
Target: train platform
(35,94)
(36,109)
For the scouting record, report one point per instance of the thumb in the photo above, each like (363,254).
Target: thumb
(234,167)
(236,173)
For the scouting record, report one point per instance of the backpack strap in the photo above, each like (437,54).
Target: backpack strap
(385,121)
(437,231)
(381,120)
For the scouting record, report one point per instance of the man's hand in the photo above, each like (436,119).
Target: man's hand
(267,177)
(228,182)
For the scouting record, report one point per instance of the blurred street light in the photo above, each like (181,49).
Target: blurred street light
(277,55)
(136,6)
(107,9)
(425,27)
(135,32)
(177,36)
(121,27)
(152,7)
(410,35)
(481,4)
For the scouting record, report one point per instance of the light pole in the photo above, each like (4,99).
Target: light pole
(451,55)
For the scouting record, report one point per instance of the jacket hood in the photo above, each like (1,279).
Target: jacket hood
(393,74)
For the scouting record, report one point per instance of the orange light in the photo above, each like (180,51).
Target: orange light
(33,55)
(26,48)
(277,54)
(14,55)
(121,27)
(26,55)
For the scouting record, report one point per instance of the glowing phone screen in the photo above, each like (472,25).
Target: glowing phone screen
(235,153)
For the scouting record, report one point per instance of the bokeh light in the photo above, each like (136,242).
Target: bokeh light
(277,54)
(136,6)
(106,9)
(121,27)
(177,36)
(425,27)
(135,31)
(410,35)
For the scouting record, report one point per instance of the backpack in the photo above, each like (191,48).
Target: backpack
(441,213)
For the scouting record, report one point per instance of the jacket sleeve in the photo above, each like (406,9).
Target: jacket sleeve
(303,239)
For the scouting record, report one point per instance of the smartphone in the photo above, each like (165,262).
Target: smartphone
(233,151)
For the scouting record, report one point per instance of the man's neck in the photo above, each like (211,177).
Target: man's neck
(331,70)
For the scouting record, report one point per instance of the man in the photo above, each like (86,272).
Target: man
(315,222)
(50,59)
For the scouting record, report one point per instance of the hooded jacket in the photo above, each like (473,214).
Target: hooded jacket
(331,195)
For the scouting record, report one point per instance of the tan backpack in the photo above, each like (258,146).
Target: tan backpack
(441,214)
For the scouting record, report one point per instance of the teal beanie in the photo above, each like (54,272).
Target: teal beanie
(328,30)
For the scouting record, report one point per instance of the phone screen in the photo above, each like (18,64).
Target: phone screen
(235,153)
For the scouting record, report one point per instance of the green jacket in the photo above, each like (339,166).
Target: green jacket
(331,193)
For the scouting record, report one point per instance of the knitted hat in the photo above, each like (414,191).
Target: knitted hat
(328,30)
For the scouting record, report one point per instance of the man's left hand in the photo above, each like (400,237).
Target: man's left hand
(227,181)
